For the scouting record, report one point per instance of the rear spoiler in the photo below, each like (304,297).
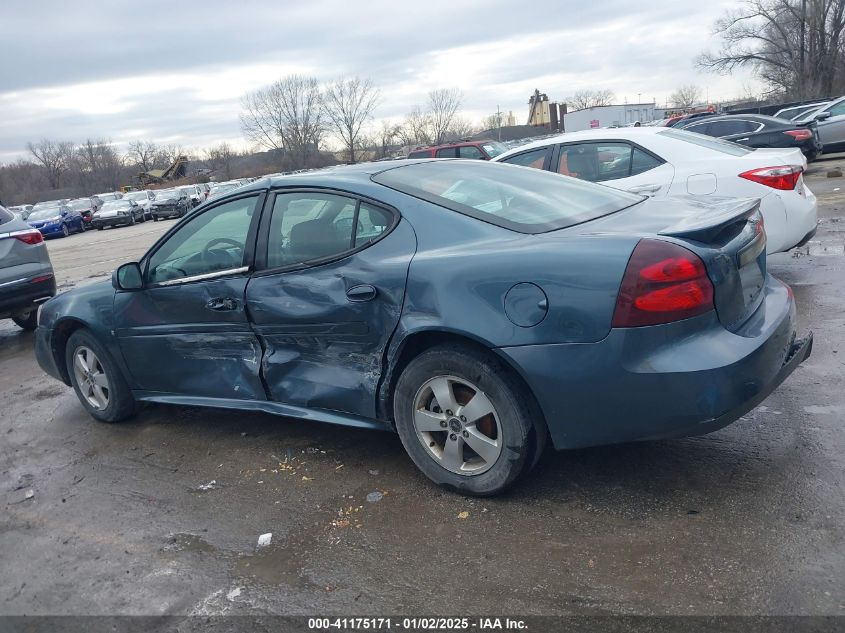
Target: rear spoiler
(716,215)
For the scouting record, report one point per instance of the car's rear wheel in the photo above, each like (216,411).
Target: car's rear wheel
(27,320)
(465,420)
(131,219)
(97,380)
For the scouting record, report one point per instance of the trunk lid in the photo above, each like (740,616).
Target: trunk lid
(727,234)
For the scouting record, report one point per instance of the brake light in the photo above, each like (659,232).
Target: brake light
(784,177)
(29,237)
(41,278)
(799,135)
(663,282)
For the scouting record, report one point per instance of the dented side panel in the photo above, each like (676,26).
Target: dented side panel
(174,343)
(321,349)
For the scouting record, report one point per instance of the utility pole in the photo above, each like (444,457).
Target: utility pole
(801,57)
(499,121)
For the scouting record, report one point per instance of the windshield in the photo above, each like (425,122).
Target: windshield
(136,195)
(79,205)
(168,194)
(45,204)
(116,204)
(521,199)
(494,149)
(44,214)
(716,144)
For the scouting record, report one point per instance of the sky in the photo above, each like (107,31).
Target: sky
(174,72)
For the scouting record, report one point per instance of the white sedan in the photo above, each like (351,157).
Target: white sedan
(661,162)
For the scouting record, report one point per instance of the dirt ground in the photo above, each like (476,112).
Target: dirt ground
(161,514)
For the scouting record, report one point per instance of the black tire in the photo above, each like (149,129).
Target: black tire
(518,417)
(100,228)
(132,220)
(121,404)
(155,218)
(29,321)
(811,156)
(65,230)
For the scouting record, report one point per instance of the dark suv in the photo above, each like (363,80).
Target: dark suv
(26,274)
(481,150)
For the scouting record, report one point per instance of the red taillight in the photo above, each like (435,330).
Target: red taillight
(41,278)
(29,237)
(799,135)
(663,282)
(784,177)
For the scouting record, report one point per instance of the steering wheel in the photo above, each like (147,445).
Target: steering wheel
(206,252)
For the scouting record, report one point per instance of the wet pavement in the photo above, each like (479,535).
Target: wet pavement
(162,514)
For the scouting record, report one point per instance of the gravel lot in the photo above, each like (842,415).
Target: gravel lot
(161,514)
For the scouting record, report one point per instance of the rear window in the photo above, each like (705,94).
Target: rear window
(516,198)
(715,144)
(5,216)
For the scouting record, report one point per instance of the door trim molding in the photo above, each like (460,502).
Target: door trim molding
(203,277)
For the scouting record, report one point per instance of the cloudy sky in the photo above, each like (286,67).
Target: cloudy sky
(174,71)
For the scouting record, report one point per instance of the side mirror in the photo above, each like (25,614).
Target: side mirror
(128,277)
(822,116)
(64,211)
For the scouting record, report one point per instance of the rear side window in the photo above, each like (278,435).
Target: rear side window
(642,162)
(524,200)
(5,216)
(314,226)
(420,154)
(727,128)
(536,158)
(708,142)
(471,151)
(447,152)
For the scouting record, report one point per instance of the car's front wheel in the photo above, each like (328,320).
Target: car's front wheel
(97,380)
(27,320)
(65,230)
(466,420)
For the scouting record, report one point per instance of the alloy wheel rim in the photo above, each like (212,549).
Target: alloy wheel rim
(91,378)
(457,425)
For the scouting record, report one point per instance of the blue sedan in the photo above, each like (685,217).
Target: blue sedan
(479,310)
(59,221)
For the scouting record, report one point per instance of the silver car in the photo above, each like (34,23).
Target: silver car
(26,274)
(830,120)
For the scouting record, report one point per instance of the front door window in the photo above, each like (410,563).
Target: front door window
(211,242)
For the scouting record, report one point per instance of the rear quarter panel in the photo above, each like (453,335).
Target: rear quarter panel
(464,268)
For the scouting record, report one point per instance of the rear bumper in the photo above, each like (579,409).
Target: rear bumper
(686,378)
(115,221)
(167,212)
(25,295)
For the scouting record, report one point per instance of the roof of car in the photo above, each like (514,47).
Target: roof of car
(601,133)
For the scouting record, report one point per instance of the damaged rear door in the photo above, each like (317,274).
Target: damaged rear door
(186,332)
(327,296)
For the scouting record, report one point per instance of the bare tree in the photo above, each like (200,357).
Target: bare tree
(491,122)
(460,128)
(416,129)
(143,154)
(388,131)
(443,106)
(584,99)
(166,154)
(797,47)
(285,115)
(348,104)
(220,158)
(98,165)
(685,97)
(54,156)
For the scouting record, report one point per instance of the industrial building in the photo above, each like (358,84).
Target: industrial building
(610,115)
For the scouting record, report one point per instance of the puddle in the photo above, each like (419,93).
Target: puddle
(824,249)
(183,542)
